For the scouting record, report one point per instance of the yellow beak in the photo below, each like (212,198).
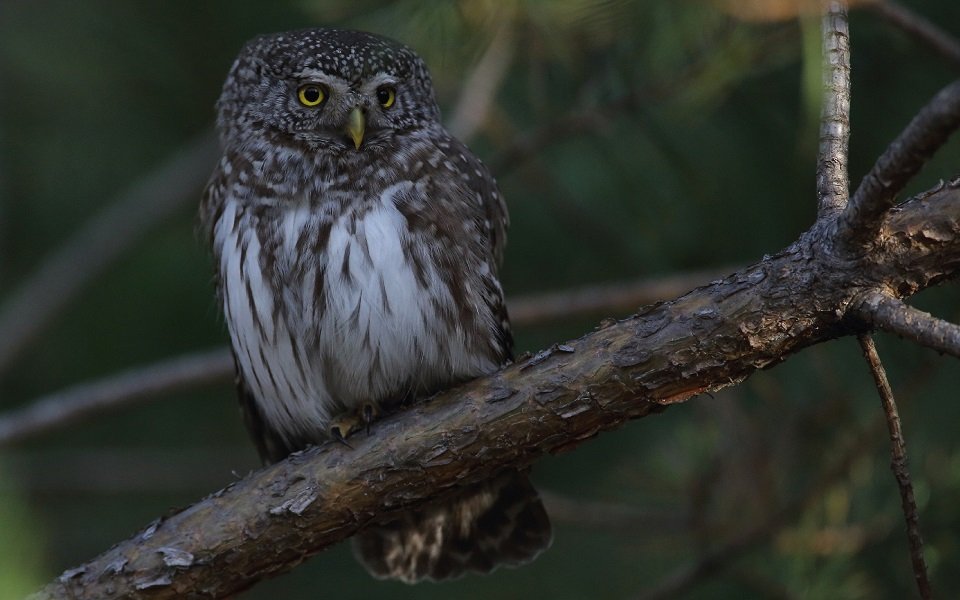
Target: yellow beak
(356,125)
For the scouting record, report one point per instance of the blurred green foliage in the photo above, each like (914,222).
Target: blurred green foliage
(21,570)
(698,151)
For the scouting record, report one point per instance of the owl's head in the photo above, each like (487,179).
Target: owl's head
(327,88)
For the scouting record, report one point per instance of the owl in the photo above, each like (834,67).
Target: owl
(356,247)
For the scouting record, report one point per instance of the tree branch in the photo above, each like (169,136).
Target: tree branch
(711,338)
(890,314)
(917,26)
(862,218)
(128,388)
(833,185)
(100,241)
(615,298)
(571,124)
(149,382)
(898,464)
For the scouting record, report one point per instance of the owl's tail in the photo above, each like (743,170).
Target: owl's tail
(498,522)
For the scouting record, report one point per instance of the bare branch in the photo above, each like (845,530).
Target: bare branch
(569,125)
(898,464)
(917,26)
(116,469)
(890,314)
(597,118)
(709,339)
(833,184)
(861,220)
(612,298)
(100,241)
(134,386)
(719,558)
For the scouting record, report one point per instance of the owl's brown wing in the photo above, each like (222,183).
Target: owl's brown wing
(482,196)
(494,223)
(477,178)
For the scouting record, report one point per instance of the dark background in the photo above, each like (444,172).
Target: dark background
(693,148)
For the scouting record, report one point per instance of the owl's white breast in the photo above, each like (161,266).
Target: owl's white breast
(270,356)
(376,314)
(369,332)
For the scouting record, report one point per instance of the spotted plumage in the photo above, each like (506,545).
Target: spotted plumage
(356,248)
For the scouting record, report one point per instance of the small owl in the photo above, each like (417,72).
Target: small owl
(356,246)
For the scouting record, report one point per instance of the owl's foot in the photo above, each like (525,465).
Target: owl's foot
(352,421)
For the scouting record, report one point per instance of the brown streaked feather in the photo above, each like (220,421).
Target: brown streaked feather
(270,446)
(496,523)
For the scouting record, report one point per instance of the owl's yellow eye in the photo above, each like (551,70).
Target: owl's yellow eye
(386,96)
(311,95)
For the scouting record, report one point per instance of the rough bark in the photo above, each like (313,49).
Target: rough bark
(833,185)
(708,339)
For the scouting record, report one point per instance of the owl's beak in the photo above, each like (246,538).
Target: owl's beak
(356,125)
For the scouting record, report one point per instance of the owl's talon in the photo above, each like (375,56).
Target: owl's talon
(337,434)
(350,422)
(368,414)
(344,425)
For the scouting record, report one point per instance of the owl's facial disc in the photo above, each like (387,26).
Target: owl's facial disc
(342,112)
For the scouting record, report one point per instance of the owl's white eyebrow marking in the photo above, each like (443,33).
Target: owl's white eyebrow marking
(381,79)
(316,75)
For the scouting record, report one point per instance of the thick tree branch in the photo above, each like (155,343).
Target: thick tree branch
(898,464)
(890,314)
(712,337)
(833,184)
(862,218)
(99,242)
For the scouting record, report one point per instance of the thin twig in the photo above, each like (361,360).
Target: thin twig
(100,241)
(580,220)
(136,385)
(614,298)
(599,118)
(712,562)
(890,314)
(833,184)
(719,558)
(180,469)
(918,26)
(861,220)
(569,125)
(898,464)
